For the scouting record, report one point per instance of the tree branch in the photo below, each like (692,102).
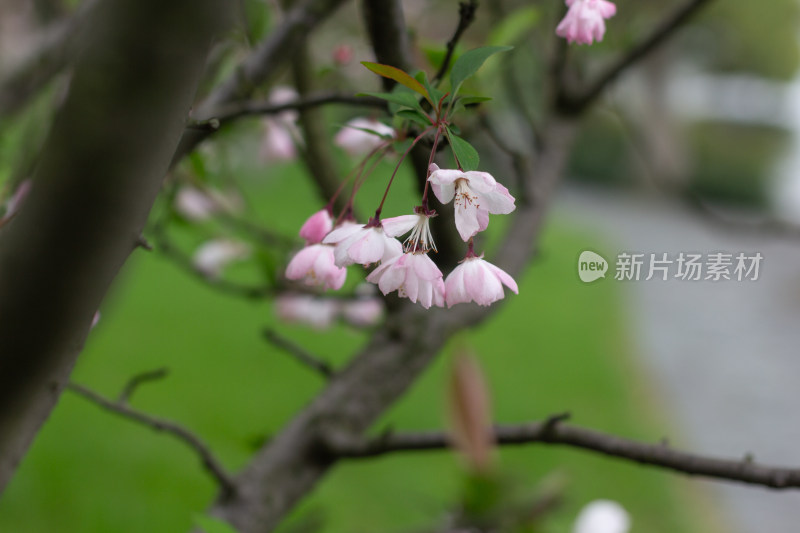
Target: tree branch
(547,432)
(466,16)
(303,356)
(120,407)
(107,152)
(260,67)
(573,103)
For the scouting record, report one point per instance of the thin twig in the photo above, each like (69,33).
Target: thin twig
(211,464)
(553,431)
(311,361)
(576,103)
(264,107)
(140,379)
(466,16)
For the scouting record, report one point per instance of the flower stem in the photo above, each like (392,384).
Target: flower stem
(428,171)
(402,158)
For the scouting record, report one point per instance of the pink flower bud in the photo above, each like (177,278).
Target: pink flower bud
(317,226)
(470,412)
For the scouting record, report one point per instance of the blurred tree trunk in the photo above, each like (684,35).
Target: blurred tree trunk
(97,177)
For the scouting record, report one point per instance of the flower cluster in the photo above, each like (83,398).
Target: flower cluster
(406,268)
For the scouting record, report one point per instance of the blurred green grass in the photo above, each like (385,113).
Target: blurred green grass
(560,345)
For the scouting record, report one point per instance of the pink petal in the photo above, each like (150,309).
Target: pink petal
(425,268)
(316,227)
(396,226)
(342,232)
(498,201)
(480,182)
(368,249)
(467,220)
(503,276)
(455,291)
(392,248)
(302,262)
(443,184)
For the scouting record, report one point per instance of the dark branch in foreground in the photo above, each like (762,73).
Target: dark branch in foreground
(466,16)
(211,464)
(311,361)
(576,103)
(552,431)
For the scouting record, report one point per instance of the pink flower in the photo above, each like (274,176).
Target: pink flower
(420,239)
(212,257)
(317,226)
(476,280)
(413,276)
(314,265)
(584,22)
(281,133)
(476,195)
(278,143)
(602,516)
(194,204)
(362,245)
(363,312)
(355,141)
(302,308)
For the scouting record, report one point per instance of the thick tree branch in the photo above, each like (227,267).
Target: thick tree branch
(120,407)
(466,16)
(547,432)
(303,356)
(577,102)
(97,177)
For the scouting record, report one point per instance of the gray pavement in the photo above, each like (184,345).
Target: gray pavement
(725,354)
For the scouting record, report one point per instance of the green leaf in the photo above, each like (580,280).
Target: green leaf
(399,76)
(414,116)
(435,93)
(403,99)
(469,63)
(212,525)
(464,101)
(515,25)
(467,156)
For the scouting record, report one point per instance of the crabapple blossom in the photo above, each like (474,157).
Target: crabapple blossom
(363,312)
(317,226)
(475,195)
(585,20)
(414,276)
(280,131)
(418,224)
(476,280)
(355,141)
(212,257)
(363,245)
(602,516)
(318,313)
(314,265)
(193,204)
